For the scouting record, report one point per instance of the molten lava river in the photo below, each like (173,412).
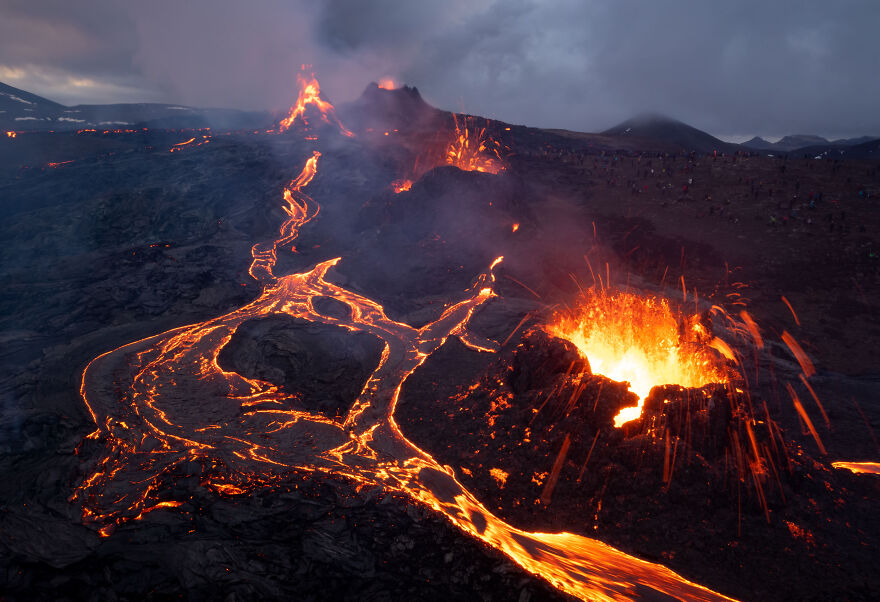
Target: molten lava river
(164,400)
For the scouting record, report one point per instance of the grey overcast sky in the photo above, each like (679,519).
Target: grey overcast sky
(735,68)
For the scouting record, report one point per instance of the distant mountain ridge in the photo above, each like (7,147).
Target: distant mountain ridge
(799,142)
(403,108)
(24,111)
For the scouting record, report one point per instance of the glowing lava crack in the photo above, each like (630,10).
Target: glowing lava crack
(164,400)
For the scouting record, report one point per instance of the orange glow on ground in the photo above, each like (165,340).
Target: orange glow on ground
(386,83)
(639,340)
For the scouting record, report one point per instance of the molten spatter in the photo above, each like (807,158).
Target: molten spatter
(473,150)
(310,96)
(859,467)
(401,185)
(10,134)
(642,341)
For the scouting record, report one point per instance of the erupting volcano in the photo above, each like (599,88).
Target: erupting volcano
(358,325)
(180,405)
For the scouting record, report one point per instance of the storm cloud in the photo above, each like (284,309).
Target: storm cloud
(733,69)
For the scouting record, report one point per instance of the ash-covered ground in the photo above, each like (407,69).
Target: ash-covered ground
(115,247)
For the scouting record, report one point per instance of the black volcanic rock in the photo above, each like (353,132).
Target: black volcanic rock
(320,368)
(660,127)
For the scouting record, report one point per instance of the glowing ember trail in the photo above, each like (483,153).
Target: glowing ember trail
(310,96)
(10,134)
(194,141)
(859,467)
(164,402)
(639,340)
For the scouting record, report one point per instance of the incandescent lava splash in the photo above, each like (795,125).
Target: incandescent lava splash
(642,341)
(472,149)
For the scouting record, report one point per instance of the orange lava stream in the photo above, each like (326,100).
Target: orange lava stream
(859,467)
(163,403)
(639,340)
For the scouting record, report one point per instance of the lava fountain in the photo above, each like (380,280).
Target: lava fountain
(310,97)
(472,149)
(640,340)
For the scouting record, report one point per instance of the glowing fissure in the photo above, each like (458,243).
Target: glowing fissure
(640,340)
(244,433)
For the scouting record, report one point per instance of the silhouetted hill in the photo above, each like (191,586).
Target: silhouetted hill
(659,127)
(853,141)
(810,144)
(23,111)
(796,141)
(865,150)
(758,143)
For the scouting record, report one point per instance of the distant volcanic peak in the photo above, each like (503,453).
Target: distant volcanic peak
(644,122)
(668,130)
(387,87)
(650,119)
(796,141)
(379,109)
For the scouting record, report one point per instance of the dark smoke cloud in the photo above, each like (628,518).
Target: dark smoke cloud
(735,69)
